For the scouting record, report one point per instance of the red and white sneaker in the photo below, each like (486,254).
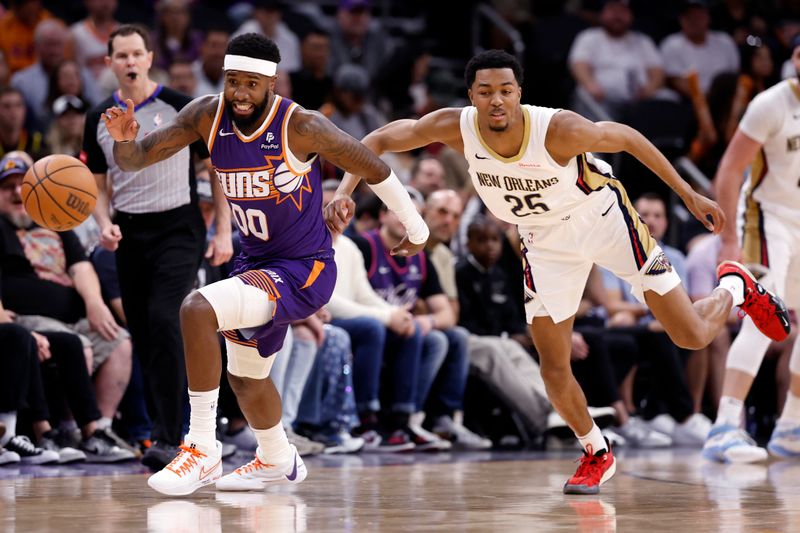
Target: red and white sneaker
(190,470)
(257,474)
(594,470)
(766,310)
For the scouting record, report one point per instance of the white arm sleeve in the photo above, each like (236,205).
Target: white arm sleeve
(396,198)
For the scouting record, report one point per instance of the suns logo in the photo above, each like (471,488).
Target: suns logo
(279,183)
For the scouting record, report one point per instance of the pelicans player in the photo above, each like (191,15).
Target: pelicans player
(265,150)
(531,167)
(768,136)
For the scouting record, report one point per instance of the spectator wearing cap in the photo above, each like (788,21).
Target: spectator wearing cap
(312,83)
(267,20)
(47,281)
(349,107)
(66,130)
(613,63)
(697,48)
(14,135)
(51,40)
(356,38)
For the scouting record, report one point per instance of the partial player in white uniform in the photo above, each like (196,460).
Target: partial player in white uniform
(531,167)
(768,139)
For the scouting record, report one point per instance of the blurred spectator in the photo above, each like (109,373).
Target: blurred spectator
(427,175)
(5,73)
(182,77)
(66,130)
(173,36)
(208,68)
(51,40)
(90,35)
(653,211)
(47,282)
(356,38)
(614,64)
(697,49)
(739,18)
(401,79)
(16,32)
(349,107)
(65,80)
(267,20)
(13,133)
(312,83)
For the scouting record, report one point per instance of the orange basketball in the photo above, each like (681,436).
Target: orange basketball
(59,192)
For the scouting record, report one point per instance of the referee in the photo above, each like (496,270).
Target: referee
(157,232)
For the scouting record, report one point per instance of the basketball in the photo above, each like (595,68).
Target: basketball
(59,192)
(285,180)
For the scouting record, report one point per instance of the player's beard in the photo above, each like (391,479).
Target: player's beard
(247,123)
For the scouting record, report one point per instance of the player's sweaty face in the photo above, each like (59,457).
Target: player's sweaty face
(246,97)
(496,95)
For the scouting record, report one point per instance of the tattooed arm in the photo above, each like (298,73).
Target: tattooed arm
(163,142)
(310,132)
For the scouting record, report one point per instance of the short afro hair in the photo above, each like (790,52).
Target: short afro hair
(492,59)
(254,45)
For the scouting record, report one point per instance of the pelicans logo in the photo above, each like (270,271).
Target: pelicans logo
(660,265)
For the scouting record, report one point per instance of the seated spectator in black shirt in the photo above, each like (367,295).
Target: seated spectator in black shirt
(46,279)
(484,289)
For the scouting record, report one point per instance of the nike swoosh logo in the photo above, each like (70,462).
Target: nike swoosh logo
(226,133)
(607,210)
(205,473)
(293,475)
(480,157)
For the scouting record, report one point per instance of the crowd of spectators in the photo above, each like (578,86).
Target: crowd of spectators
(408,351)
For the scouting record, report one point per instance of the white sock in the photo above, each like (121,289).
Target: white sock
(729,412)
(10,420)
(273,445)
(203,421)
(791,411)
(734,285)
(103,423)
(593,441)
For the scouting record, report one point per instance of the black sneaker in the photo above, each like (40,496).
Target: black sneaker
(159,455)
(396,441)
(30,453)
(101,448)
(110,436)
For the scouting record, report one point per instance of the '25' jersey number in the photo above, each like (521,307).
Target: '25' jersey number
(527,203)
(251,222)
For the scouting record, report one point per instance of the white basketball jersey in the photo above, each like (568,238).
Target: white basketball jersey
(529,188)
(773,119)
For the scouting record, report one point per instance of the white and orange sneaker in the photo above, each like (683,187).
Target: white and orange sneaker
(257,474)
(190,470)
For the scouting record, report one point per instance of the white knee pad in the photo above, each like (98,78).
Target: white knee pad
(245,361)
(238,305)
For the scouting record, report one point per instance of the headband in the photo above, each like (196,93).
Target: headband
(250,64)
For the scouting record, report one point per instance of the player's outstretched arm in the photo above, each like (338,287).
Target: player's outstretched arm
(310,132)
(570,135)
(163,142)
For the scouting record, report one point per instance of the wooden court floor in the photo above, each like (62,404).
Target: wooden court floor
(673,491)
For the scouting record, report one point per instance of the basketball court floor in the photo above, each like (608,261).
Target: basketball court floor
(671,490)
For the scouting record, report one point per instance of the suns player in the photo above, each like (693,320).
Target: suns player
(532,167)
(266,151)
(767,140)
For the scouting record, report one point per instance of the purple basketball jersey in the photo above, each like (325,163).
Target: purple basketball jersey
(398,285)
(276,200)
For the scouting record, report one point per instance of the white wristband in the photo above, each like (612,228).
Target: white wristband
(396,198)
